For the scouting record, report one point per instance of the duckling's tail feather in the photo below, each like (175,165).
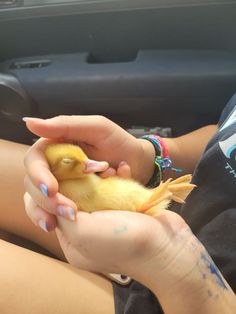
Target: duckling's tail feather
(176,190)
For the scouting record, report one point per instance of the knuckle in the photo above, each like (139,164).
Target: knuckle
(42,203)
(65,122)
(101,119)
(27,183)
(26,157)
(61,118)
(47,204)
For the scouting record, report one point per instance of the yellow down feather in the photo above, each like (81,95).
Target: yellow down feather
(92,193)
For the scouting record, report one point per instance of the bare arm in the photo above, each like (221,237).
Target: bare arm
(186,150)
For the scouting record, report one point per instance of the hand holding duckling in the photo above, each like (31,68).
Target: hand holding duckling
(100,139)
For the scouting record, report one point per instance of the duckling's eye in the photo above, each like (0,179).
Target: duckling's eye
(68,162)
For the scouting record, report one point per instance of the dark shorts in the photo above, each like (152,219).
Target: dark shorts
(135,299)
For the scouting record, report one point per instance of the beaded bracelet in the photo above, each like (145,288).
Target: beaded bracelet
(162,159)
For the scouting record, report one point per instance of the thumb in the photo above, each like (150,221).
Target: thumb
(88,129)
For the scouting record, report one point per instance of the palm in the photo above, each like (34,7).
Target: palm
(114,241)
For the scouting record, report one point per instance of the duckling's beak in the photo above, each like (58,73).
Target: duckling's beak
(92,166)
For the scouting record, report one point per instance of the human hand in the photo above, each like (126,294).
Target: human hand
(161,253)
(128,243)
(115,241)
(99,137)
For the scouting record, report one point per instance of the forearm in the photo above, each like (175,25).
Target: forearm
(191,282)
(184,151)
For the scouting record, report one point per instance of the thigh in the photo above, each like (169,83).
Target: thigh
(33,283)
(13,218)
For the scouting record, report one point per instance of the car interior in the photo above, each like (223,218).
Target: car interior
(143,64)
(149,65)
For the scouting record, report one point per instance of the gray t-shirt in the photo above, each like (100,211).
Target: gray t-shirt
(210,211)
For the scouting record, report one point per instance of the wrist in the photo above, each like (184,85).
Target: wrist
(185,279)
(158,162)
(147,161)
(169,263)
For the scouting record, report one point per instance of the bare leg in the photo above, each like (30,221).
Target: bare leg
(33,283)
(13,218)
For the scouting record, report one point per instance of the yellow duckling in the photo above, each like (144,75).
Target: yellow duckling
(92,193)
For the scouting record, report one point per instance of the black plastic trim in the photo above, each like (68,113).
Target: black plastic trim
(92,6)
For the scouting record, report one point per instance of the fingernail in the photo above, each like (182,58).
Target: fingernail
(66,212)
(96,166)
(27,118)
(72,214)
(44,189)
(42,224)
(122,163)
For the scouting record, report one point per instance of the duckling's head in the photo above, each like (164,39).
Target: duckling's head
(66,161)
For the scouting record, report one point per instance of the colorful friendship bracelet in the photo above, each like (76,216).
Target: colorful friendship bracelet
(162,159)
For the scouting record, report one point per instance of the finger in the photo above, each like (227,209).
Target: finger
(38,216)
(38,169)
(57,204)
(110,172)
(79,128)
(124,170)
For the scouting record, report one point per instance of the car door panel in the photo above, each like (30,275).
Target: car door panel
(167,66)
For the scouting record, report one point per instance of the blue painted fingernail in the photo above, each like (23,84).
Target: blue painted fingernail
(44,189)
(66,212)
(71,214)
(61,211)
(43,225)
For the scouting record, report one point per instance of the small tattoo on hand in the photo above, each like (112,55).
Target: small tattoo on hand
(120,230)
